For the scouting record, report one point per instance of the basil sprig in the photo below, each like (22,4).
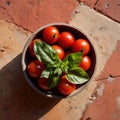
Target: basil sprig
(55,67)
(46,54)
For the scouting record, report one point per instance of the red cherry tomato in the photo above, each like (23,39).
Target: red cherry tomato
(31,47)
(50,34)
(59,51)
(85,63)
(35,68)
(65,87)
(66,40)
(43,83)
(81,44)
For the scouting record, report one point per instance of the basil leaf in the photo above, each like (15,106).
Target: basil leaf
(45,73)
(55,77)
(46,53)
(55,65)
(73,60)
(77,76)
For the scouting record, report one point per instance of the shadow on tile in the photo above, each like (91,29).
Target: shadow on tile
(18,101)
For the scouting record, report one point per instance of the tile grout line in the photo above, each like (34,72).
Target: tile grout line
(109,77)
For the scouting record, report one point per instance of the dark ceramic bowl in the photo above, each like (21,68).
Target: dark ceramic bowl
(77,34)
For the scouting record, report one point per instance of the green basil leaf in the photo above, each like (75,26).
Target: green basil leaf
(46,53)
(45,73)
(73,60)
(55,65)
(55,77)
(77,76)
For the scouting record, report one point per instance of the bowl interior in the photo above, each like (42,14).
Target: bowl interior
(26,58)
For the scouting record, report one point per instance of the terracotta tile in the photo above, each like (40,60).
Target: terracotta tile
(107,104)
(112,67)
(90,3)
(105,107)
(31,14)
(110,8)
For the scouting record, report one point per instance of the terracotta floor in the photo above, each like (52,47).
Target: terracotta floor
(99,20)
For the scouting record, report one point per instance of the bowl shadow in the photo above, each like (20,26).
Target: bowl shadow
(18,100)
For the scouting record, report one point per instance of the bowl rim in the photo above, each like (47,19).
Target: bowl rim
(24,65)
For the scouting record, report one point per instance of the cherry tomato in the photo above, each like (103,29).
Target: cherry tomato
(35,68)
(31,47)
(66,40)
(85,63)
(81,44)
(65,87)
(43,83)
(59,51)
(50,34)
